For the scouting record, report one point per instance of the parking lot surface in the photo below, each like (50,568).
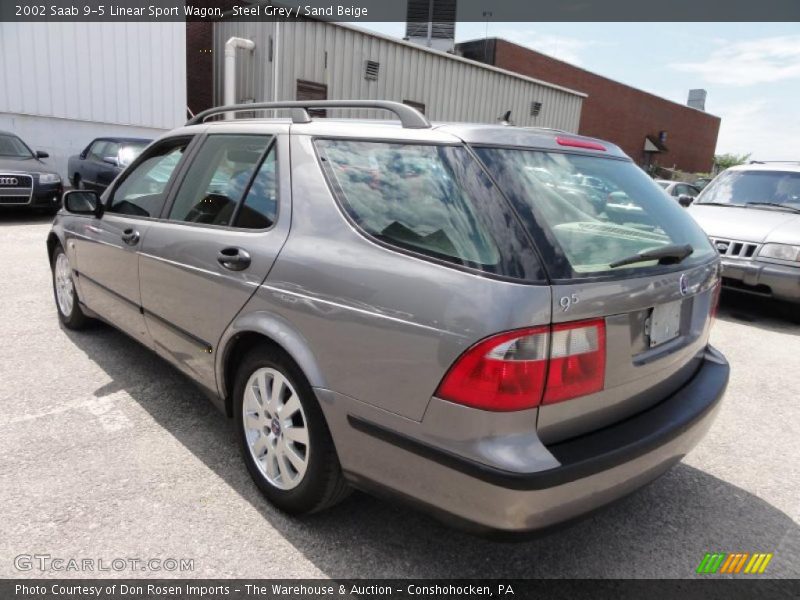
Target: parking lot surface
(106,451)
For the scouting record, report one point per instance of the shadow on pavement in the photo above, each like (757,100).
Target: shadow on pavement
(10,217)
(763,313)
(662,531)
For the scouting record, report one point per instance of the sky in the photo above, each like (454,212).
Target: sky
(750,70)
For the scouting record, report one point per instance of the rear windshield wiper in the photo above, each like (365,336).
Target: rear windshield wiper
(776,205)
(665,255)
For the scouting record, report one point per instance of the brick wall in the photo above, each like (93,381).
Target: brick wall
(199,65)
(614,111)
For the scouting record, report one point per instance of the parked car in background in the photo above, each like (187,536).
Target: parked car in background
(410,307)
(26,181)
(752,215)
(702,182)
(684,193)
(102,160)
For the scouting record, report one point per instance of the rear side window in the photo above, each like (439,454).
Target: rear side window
(590,211)
(432,200)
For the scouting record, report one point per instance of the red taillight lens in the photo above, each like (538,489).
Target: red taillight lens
(504,372)
(521,369)
(577,360)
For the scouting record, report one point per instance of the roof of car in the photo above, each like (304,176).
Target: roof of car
(8,133)
(788,166)
(122,139)
(473,133)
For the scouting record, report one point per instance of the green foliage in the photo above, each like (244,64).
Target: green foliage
(723,161)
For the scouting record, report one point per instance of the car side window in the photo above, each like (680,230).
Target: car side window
(218,178)
(260,207)
(97,149)
(142,192)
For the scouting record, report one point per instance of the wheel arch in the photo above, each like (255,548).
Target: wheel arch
(52,241)
(257,328)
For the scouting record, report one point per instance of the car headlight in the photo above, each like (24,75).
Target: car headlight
(781,252)
(49,178)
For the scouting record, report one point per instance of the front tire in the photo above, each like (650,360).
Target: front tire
(284,438)
(67,305)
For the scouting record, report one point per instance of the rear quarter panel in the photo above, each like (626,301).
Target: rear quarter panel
(383,326)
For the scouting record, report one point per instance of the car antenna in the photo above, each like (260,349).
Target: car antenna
(506,118)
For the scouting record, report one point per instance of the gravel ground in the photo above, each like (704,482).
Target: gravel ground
(106,451)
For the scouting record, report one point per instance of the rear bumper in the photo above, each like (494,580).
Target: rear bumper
(591,470)
(762,279)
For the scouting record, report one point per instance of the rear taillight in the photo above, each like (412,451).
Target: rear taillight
(577,360)
(523,368)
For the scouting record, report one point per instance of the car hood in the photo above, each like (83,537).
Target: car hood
(24,165)
(748,224)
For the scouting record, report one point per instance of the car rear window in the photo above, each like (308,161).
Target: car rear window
(433,200)
(580,228)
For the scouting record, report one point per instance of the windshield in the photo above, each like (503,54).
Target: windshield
(746,187)
(129,152)
(591,226)
(13,147)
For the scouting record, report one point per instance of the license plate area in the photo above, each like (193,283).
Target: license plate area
(664,323)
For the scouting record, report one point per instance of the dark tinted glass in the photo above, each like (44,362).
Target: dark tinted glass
(217,179)
(429,199)
(589,212)
(260,206)
(141,193)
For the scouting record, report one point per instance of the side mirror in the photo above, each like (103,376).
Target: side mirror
(40,154)
(111,160)
(685,200)
(83,202)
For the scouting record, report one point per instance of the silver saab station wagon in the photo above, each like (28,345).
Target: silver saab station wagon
(446,313)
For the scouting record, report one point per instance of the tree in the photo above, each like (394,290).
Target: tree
(723,161)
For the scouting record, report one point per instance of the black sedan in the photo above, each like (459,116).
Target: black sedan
(25,181)
(102,160)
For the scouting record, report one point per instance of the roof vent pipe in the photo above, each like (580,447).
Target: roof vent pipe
(229,94)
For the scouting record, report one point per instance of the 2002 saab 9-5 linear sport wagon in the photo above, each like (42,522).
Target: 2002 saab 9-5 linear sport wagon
(442,312)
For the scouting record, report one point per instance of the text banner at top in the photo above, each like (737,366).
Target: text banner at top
(356,11)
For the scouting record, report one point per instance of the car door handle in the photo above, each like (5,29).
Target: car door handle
(130,237)
(234,259)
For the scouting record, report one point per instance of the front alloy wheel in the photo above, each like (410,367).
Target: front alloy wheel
(69,310)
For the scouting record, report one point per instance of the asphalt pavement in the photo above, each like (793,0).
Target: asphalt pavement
(107,452)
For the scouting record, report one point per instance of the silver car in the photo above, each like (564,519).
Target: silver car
(752,215)
(409,308)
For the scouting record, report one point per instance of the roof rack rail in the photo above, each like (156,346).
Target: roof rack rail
(769,162)
(410,118)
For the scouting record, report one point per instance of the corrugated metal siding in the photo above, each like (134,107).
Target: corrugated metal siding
(118,73)
(451,89)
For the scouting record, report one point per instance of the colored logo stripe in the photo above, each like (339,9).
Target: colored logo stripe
(723,562)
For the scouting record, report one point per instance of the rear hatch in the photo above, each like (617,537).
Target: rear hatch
(591,218)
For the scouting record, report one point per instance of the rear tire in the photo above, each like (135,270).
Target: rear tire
(66,297)
(284,438)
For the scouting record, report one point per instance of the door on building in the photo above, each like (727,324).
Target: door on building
(310,90)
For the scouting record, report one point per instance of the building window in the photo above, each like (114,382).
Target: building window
(310,90)
(418,105)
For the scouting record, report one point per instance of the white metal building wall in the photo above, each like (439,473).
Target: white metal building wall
(62,84)
(451,88)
